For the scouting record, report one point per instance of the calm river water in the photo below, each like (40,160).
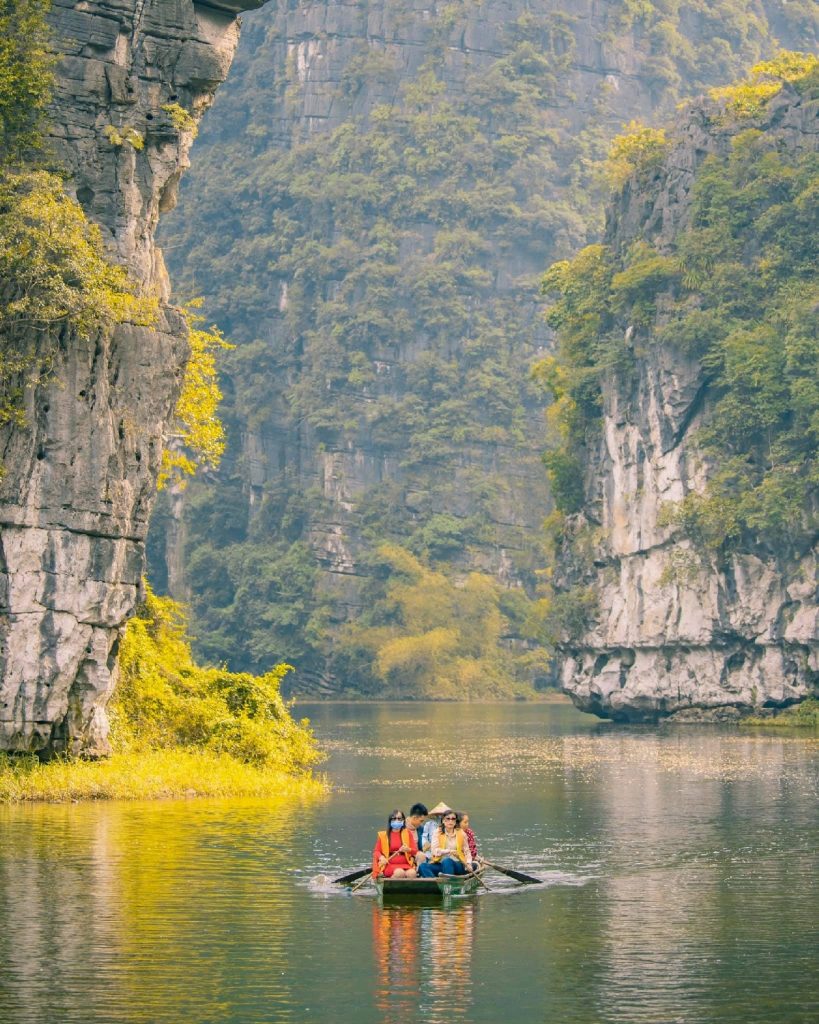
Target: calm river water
(679,867)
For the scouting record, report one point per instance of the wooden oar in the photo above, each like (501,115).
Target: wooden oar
(518,876)
(369,871)
(352,877)
(478,877)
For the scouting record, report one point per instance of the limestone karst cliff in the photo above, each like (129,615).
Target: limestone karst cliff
(80,477)
(721,617)
(408,172)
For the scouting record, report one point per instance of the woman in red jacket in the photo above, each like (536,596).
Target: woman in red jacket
(395,849)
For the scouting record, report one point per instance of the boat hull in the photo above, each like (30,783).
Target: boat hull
(443,885)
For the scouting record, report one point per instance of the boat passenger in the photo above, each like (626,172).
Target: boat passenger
(433,826)
(472,842)
(395,849)
(450,851)
(416,822)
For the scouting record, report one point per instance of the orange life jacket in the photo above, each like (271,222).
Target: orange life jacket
(384,842)
(459,848)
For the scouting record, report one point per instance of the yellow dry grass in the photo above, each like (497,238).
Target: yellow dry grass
(148,775)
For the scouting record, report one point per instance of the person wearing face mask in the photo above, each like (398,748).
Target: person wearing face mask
(395,849)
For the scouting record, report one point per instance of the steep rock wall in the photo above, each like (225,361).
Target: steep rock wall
(306,69)
(80,477)
(681,632)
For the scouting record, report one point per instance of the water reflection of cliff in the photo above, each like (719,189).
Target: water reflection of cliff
(700,828)
(423,958)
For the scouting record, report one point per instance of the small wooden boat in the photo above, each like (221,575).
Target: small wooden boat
(443,885)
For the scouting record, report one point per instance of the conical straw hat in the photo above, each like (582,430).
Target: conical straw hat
(440,808)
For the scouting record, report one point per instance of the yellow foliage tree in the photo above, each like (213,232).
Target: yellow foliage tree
(54,273)
(165,700)
(53,265)
(747,99)
(639,150)
(198,437)
(445,638)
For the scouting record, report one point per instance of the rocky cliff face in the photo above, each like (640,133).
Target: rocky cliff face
(547,85)
(80,478)
(680,631)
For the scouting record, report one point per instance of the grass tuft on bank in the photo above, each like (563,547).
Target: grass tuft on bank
(179,729)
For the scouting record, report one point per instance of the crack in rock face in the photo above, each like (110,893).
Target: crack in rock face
(80,477)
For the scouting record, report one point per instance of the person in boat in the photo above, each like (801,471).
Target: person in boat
(450,850)
(433,826)
(395,849)
(416,823)
(472,842)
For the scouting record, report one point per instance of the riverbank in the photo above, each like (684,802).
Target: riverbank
(351,697)
(179,729)
(799,716)
(147,775)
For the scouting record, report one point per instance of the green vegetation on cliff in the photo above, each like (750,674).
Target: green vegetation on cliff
(738,290)
(179,729)
(54,272)
(375,271)
(25,77)
(380,242)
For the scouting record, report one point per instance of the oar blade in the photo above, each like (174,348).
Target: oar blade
(519,876)
(352,877)
(526,879)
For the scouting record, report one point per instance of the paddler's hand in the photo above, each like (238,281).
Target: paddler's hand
(403,849)
(382,860)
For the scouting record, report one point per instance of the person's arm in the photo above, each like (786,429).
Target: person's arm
(379,860)
(436,849)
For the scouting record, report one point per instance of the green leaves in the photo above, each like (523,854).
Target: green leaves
(740,291)
(53,263)
(165,700)
(429,636)
(25,77)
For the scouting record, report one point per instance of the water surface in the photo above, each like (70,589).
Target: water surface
(679,873)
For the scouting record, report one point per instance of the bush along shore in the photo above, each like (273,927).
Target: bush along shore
(801,716)
(179,730)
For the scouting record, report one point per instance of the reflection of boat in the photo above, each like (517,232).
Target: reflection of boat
(443,885)
(396,944)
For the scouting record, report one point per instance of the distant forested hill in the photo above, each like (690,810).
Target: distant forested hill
(373,200)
